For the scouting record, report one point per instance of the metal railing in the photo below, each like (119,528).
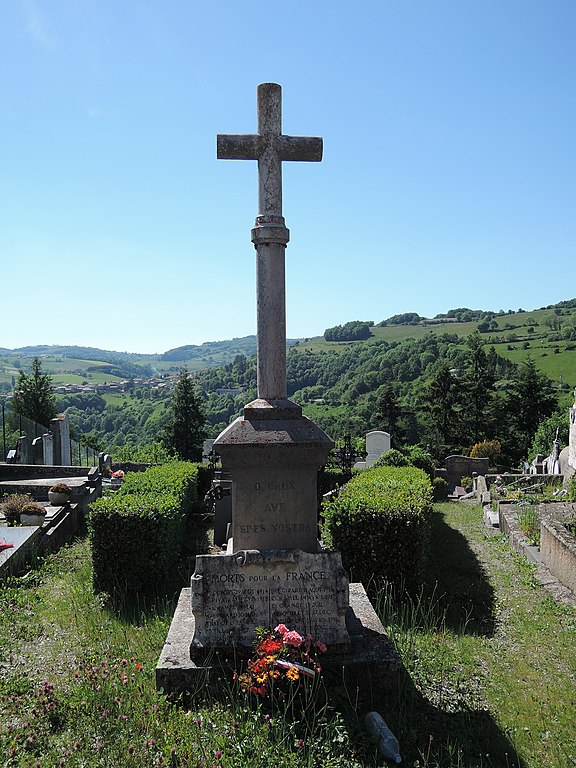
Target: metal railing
(13,426)
(82,455)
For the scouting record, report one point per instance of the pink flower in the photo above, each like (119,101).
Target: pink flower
(321,646)
(292,638)
(281,629)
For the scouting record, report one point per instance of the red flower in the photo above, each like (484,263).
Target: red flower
(268,646)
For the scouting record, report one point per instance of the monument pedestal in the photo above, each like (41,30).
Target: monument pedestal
(272,454)
(273,572)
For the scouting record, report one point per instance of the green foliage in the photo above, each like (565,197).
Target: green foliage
(526,403)
(185,430)
(12,506)
(178,478)
(441,407)
(392,458)
(490,449)
(138,533)
(390,411)
(380,522)
(330,478)
(33,395)
(355,330)
(439,489)
(546,434)
(419,457)
(406,318)
(529,522)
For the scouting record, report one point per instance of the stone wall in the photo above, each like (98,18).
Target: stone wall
(458,467)
(558,548)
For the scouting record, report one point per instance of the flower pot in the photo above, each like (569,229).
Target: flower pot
(57,499)
(29,519)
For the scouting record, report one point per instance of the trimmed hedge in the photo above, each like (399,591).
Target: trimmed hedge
(179,478)
(138,533)
(380,523)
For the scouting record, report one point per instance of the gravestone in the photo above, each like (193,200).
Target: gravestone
(377,442)
(60,429)
(48,448)
(458,466)
(273,570)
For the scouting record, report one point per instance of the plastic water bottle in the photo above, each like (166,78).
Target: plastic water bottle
(387,743)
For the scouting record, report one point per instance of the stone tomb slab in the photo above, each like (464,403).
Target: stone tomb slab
(235,593)
(23,538)
(370,664)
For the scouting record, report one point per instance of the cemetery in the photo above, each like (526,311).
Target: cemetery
(257,613)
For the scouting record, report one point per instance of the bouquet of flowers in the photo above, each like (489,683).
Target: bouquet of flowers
(282,655)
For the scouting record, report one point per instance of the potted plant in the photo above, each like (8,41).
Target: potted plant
(59,494)
(12,505)
(32,514)
(116,478)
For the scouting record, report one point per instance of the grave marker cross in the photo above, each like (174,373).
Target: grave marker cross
(270,235)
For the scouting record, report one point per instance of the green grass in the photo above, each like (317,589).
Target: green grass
(489,656)
(77,689)
(489,675)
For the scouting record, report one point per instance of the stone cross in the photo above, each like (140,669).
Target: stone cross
(270,236)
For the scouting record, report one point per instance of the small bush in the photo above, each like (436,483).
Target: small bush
(61,488)
(380,523)
(392,458)
(418,457)
(487,448)
(440,489)
(12,506)
(529,522)
(135,540)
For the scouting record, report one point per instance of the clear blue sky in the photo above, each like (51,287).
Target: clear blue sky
(448,179)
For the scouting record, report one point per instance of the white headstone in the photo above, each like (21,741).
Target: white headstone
(377,442)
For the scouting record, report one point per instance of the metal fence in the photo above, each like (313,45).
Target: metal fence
(82,455)
(13,426)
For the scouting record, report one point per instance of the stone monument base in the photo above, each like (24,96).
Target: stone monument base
(370,664)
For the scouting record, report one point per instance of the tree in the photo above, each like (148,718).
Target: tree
(441,409)
(33,395)
(185,429)
(526,403)
(478,387)
(389,412)
(546,433)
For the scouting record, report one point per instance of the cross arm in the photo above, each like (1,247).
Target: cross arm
(230,146)
(307,148)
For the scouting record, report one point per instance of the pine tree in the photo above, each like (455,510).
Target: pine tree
(33,395)
(528,401)
(185,429)
(389,413)
(478,388)
(441,410)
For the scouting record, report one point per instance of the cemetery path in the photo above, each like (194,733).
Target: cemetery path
(525,644)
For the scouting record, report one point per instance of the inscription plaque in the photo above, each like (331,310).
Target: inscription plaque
(234,594)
